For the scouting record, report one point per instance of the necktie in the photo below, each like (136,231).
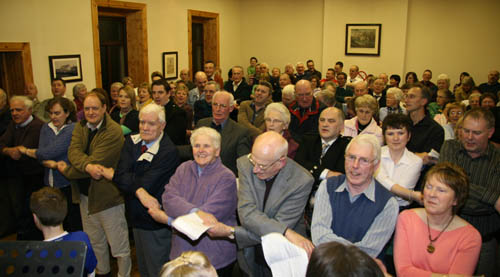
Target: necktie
(324,148)
(144,148)
(217,127)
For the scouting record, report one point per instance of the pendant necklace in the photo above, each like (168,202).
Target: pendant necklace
(430,246)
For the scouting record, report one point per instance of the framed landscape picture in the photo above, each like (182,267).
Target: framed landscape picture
(170,65)
(362,39)
(66,67)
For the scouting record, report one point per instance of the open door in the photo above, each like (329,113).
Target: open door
(15,67)
(203,39)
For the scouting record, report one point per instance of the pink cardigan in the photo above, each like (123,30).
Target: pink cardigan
(351,129)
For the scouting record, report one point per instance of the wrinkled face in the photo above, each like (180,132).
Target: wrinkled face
(442,84)
(58,88)
(474,102)
(201,81)
(454,115)
(123,100)
(414,100)
(265,165)
(181,97)
(93,109)
(493,77)
(378,86)
(353,72)
(304,95)
(262,95)
(359,165)
(284,80)
(330,75)
(360,89)
(310,66)
(391,101)
(204,152)
(341,80)
(113,92)
(441,98)
(150,127)
(364,115)
(209,91)
(330,124)
(396,139)
(488,102)
(19,112)
(274,122)
(184,75)
(237,74)
(474,136)
(439,198)
(58,116)
(287,99)
(221,108)
(160,95)
(275,72)
(143,95)
(209,69)
(384,78)
(427,76)
(300,68)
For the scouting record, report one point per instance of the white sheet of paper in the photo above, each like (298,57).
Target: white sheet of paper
(191,225)
(434,154)
(283,257)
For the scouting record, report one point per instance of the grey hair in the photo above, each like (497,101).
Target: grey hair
(209,132)
(444,77)
(281,109)
(289,90)
(222,92)
(117,85)
(77,88)
(397,92)
(328,97)
(28,103)
(217,86)
(298,63)
(153,108)
(367,139)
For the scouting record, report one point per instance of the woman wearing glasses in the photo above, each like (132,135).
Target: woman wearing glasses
(277,118)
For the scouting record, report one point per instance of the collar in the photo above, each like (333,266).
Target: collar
(223,124)
(96,127)
(329,142)
(25,123)
(153,146)
(237,84)
(57,237)
(369,192)
(54,128)
(385,154)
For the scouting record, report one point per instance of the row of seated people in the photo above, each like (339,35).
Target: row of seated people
(221,108)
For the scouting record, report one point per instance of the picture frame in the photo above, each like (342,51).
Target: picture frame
(363,39)
(66,67)
(170,65)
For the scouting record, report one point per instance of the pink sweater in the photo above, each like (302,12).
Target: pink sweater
(456,251)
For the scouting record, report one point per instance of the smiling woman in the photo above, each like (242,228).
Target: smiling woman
(126,114)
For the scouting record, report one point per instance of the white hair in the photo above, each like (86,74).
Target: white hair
(281,109)
(289,90)
(28,103)
(445,77)
(367,139)
(209,132)
(397,92)
(223,92)
(153,108)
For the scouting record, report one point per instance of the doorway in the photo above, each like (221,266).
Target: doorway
(15,67)
(113,44)
(203,37)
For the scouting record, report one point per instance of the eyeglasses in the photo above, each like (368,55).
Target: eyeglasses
(273,121)
(217,105)
(362,161)
(260,166)
(456,113)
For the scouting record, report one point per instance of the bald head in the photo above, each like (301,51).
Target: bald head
(271,145)
(200,79)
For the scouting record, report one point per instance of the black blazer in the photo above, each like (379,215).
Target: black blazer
(131,119)
(242,93)
(176,120)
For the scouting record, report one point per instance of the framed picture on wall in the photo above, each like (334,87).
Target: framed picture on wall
(66,67)
(170,65)
(362,39)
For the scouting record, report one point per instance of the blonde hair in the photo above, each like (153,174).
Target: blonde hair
(367,101)
(188,264)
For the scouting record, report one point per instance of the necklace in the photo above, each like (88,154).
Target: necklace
(430,247)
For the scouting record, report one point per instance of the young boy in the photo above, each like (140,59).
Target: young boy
(49,208)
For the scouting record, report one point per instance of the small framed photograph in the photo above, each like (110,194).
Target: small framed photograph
(362,39)
(170,65)
(66,67)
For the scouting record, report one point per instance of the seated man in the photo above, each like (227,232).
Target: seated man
(147,162)
(203,107)
(305,111)
(196,93)
(323,154)
(251,114)
(355,208)
(272,194)
(49,207)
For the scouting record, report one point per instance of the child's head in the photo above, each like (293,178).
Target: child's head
(189,264)
(49,206)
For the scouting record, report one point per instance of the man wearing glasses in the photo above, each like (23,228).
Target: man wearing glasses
(355,208)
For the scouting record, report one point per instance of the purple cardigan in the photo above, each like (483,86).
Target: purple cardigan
(214,191)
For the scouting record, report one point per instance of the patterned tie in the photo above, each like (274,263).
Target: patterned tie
(144,148)
(324,148)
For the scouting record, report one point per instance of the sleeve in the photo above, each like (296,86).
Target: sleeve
(468,254)
(244,112)
(174,201)
(438,135)
(50,148)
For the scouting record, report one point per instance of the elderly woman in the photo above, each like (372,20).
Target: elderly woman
(433,240)
(392,100)
(288,95)
(465,89)
(363,123)
(449,118)
(443,97)
(144,95)
(180,99)
(114,91)
(55,138)
(399,168)
(126,114)
(208,188)
(277,118)
(79,93)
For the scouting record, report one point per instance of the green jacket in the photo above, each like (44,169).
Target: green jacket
(105,150)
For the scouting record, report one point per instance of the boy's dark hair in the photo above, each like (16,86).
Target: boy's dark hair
(397,121)
(58,79)
(49,205)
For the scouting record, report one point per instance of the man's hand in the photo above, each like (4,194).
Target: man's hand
(158,215)
(146,199)
(300,241)
(50,164)
(13,153)
(107,172)
(61,166)
(94,170)
(219,230)
(208,219)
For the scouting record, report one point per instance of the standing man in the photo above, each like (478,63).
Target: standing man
(210,69)
(186,79)
(203,107)
(97,142)
(58,87)
(284,80)
(355,208)
(339,67)
(238,87)
(329,77)
(311,70)
(426,82)
(492,85)
(353,76)
(480,160)
(175,117)
(196,93)
(301,72)
(32,92)
(304,111)
(273,192)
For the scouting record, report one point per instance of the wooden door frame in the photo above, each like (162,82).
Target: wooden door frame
(24,48)
(208,16)
(124,9)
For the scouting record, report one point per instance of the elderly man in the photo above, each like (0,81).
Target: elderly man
(203,107)
(323,154)
(426,82)
(195,94)
(304,111)
(238,86)
(21,174)
(311,70)
(147,162)
(272,194)
(186,79)
(353,76)
(58,87)
(284,80)
(492,85)
(301,72)
(289,69)
(480,160)
(31,91)
(235,137)
(175,117)
(355,208)
(251,113)
(97,142)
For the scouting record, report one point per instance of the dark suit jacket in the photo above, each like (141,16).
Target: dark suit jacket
(284,207)
(242,93)
(202,109)
(235,142)
(131,119)
(176,120)
(130,175)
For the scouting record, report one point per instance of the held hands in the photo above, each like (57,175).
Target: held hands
(50,164)
(61,166)
(208,219)
(94,170)
(300,241)
(13,152)
(219,230)
(147,200)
